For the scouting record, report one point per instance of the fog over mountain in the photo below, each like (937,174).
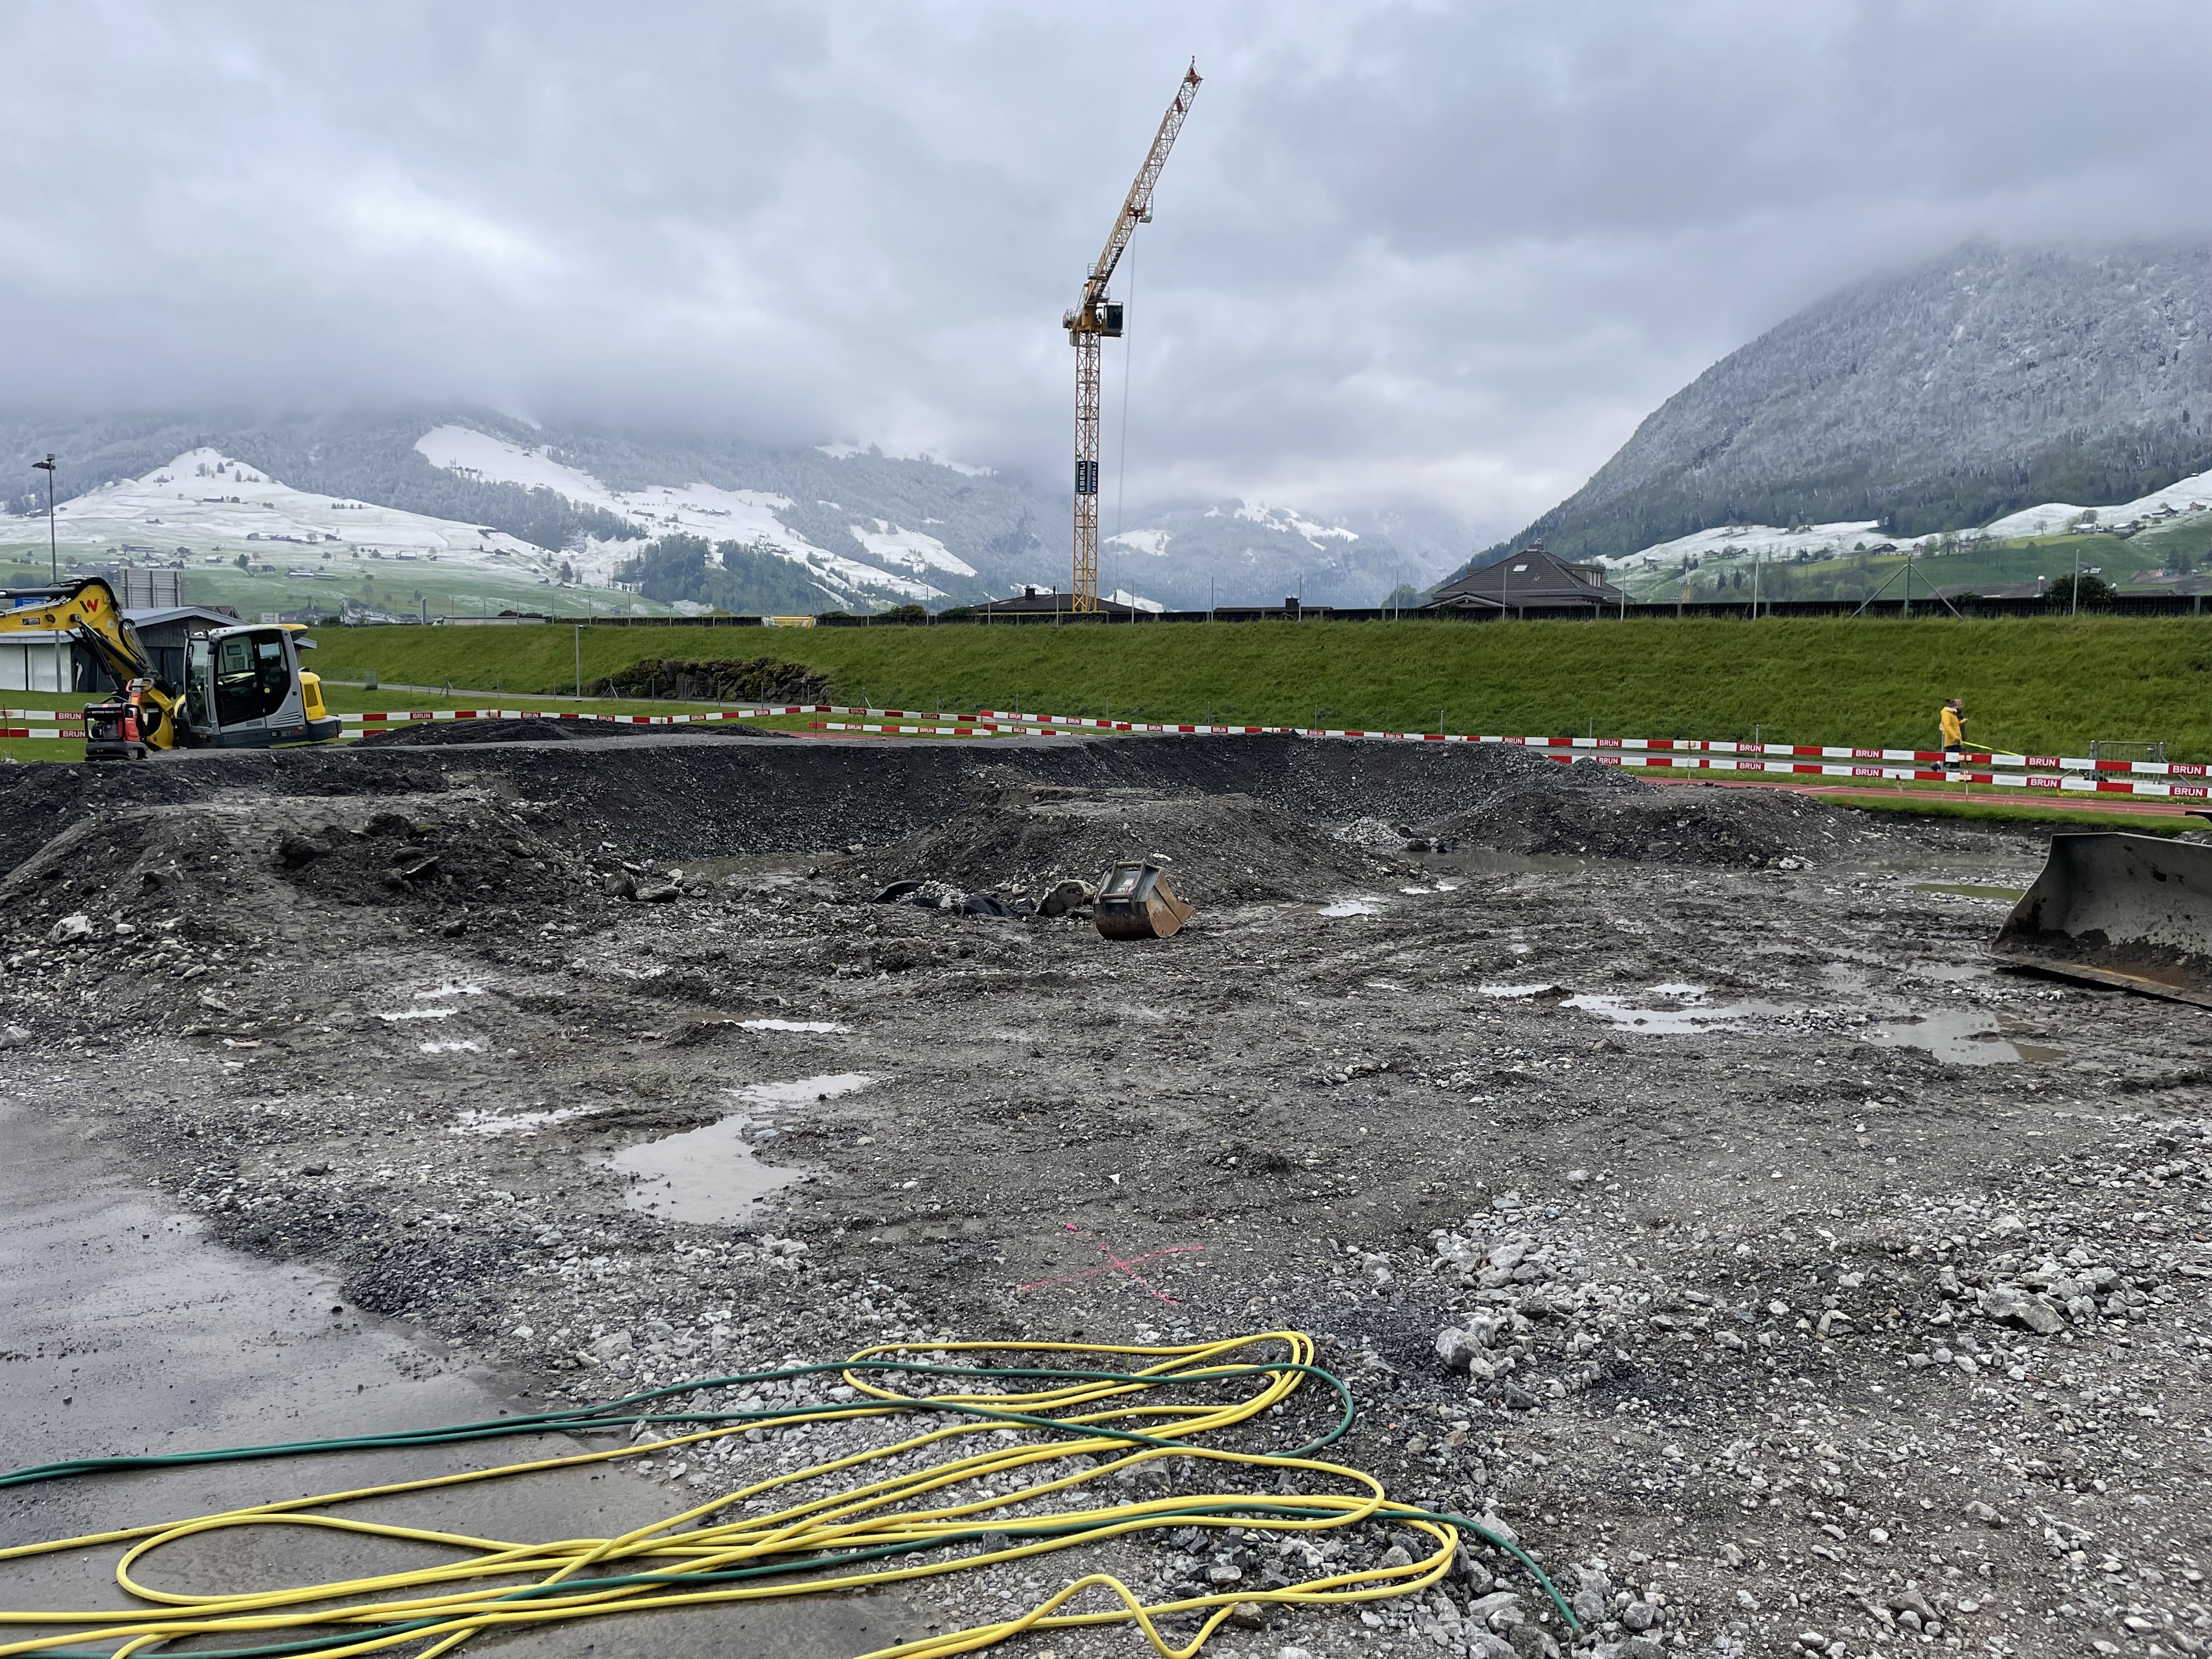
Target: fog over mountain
(1407,259)
(1944,396)
(747,526)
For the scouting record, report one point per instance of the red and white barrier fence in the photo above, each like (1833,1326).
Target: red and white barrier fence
(2079,774)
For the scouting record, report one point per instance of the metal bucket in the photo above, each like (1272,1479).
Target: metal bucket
(2134,911)
(1135,902)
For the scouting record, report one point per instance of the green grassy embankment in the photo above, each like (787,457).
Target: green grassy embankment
(2040,685)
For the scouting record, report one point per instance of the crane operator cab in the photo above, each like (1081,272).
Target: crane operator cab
(244,689)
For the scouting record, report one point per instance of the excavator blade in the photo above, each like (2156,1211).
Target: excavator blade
(2133,911)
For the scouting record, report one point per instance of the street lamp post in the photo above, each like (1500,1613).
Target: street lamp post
(54,554)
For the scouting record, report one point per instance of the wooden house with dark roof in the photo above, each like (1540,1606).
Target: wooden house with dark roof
(1530,580)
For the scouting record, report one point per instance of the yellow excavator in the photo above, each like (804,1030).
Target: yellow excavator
(244,687)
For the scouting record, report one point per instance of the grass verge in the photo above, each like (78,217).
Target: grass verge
(2042,685)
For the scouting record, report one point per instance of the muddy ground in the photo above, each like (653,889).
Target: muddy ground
(1669,1167)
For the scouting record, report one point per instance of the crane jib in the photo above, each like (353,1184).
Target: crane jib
(1095,317)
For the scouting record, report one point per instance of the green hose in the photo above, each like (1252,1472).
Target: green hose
(620,1415)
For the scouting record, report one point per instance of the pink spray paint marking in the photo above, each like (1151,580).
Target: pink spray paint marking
(1117,1264)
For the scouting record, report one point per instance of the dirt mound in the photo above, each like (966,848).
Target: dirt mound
(442,859)
(1217,847)
(439,734)
(246,868)
(1325,781)
(731,679)
(1673,823)
(1583,780)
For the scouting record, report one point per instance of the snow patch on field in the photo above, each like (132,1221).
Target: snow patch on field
(2192,494)
(746,516)
(1282,518)
(214,507)
(1152,542)
(889,544)
(1764,541)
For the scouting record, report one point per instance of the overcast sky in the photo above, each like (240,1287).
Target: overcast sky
(1448,254)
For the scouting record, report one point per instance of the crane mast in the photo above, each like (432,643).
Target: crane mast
(1095,317)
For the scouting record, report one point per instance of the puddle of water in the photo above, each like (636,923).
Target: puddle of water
(1949,973)
(1964,1038)
(1356,904)
(1516,990)
(803,1092)
(518,1123)
(711,1175)
(1967,890)
(1690,1021)
(1417,890)
(1381,985)
(421,1013)
(831,1025)
(464,1046)
(1691,1017)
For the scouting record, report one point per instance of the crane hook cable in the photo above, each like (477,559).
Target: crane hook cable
(772,1555)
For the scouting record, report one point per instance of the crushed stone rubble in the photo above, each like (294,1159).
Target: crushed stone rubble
(1729,1234)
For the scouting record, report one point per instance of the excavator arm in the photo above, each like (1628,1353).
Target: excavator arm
(245,687)
(144,715)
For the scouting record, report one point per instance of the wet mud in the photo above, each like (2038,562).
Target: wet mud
(1700,1198)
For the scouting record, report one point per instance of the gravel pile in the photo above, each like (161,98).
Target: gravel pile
(480,855)
(1673,823)
(687,795)
(428,734)
(1215,847)
(1766,1331)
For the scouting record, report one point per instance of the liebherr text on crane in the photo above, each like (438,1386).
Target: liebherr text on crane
(1096,317)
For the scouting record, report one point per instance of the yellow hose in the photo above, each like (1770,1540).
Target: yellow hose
(913,1517)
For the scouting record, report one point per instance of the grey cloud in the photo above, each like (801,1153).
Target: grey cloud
(1441,253)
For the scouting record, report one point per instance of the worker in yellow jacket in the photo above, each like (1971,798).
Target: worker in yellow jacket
(1953,721)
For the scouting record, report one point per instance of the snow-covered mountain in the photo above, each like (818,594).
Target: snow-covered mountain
(206,506)
(703,519)
(1938,398)
(2190,494)
(1237,552)
(895,563)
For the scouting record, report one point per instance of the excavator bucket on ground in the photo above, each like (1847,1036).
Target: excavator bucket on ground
(1135,902)
(2133,911)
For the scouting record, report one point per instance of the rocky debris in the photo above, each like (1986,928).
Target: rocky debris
(441,735)
(1066,898)
(733,679)
(1035,839)
(1374,833)
(688,790)
(1718,1349)
(1672,823)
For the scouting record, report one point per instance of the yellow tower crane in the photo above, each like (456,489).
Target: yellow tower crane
(1096,317)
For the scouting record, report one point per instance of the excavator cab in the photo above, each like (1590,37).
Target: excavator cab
(244,689)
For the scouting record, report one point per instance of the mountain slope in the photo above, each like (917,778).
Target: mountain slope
(856,528)
(1936,398)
